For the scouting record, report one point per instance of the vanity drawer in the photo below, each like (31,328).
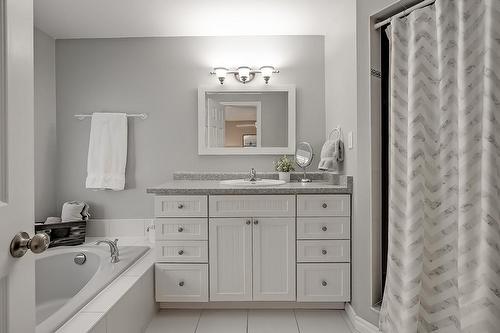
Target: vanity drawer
(186,206)
(181,229)
(181,282)
(252,205)
(182,251)
(323,227)
(323,205)
(323,282)
(323,251)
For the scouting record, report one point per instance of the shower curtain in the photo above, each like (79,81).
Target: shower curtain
(444,216)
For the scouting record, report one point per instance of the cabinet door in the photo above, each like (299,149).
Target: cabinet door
(230,252)
(274,259)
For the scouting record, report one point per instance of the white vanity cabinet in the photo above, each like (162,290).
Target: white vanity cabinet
(252,253)
(323,248)
(181,234)
(243,248)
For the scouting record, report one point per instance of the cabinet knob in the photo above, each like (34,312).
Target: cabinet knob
(324,283)
(324,252)
(324,228)
(248,222)
(180,206)
(181,252)
(256,222)
(324,205)
(180,229)
(181,283)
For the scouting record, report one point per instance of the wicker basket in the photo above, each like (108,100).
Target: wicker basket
(64,234)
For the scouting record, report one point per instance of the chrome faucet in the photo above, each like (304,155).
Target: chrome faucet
(253,175)
(113,247)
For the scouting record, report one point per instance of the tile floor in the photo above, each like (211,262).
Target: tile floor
(249,321)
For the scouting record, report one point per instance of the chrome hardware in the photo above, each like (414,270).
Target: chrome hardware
(324,205)
(181,252)
(248,222)
(80,258)
(181,283)
(21,243)
(324,283)
(180,229)
(256,222)
(253,175)
(180,206)
(113,248)
(324,252)
(324,228)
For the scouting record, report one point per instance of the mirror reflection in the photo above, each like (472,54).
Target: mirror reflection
(247,120)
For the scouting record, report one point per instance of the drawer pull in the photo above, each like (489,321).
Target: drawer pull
(181,252)
(256,222)
(180,206)
(180,229)
(324,205)
(248,222)
(324,252)
(181,283)
(324,228)
(324,283)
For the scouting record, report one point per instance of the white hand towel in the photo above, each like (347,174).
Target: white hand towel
(107,151)
(332,155)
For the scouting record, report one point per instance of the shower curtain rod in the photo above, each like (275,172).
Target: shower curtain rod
(404,13)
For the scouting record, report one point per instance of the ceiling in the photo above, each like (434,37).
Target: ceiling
(140,18)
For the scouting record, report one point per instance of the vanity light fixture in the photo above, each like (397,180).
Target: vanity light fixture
(244,74)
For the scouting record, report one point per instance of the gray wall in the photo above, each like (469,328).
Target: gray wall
(160,76)
(45,126)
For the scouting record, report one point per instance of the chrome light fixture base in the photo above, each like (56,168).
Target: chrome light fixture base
(244,74)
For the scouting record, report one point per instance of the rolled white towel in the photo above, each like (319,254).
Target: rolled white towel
(332,155)
(75,211)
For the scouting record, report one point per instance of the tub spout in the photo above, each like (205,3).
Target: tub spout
(113,247)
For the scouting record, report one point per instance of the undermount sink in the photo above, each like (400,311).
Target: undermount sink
(247,182)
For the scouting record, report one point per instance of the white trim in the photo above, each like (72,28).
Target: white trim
(361,325)
(204,150)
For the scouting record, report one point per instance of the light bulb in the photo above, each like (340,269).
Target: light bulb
(221,73)
(244,73)
(267,72)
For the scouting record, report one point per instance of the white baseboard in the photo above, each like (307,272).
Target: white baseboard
(252,305)
(118,227)
(359,324)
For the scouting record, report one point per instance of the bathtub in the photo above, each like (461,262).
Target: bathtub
(63,287)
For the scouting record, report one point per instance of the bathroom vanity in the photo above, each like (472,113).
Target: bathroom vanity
(286,243)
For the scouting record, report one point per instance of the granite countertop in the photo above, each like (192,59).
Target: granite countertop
(209,183)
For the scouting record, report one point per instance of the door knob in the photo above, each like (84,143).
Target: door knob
(324,205)
(256,222)
(248,222)
(324,228)
(180,206)
(181,252)
(22,242)
(180,229)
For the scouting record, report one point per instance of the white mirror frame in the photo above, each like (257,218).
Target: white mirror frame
(203,149)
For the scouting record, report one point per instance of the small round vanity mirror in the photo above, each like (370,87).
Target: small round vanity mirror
(303,157)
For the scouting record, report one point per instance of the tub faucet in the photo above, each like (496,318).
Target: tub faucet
(253,175)
(113,247)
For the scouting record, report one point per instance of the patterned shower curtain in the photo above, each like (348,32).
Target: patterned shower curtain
(444,221)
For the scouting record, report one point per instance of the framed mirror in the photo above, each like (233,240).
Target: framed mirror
(246,121)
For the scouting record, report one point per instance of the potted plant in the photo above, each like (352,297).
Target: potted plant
(284,166)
